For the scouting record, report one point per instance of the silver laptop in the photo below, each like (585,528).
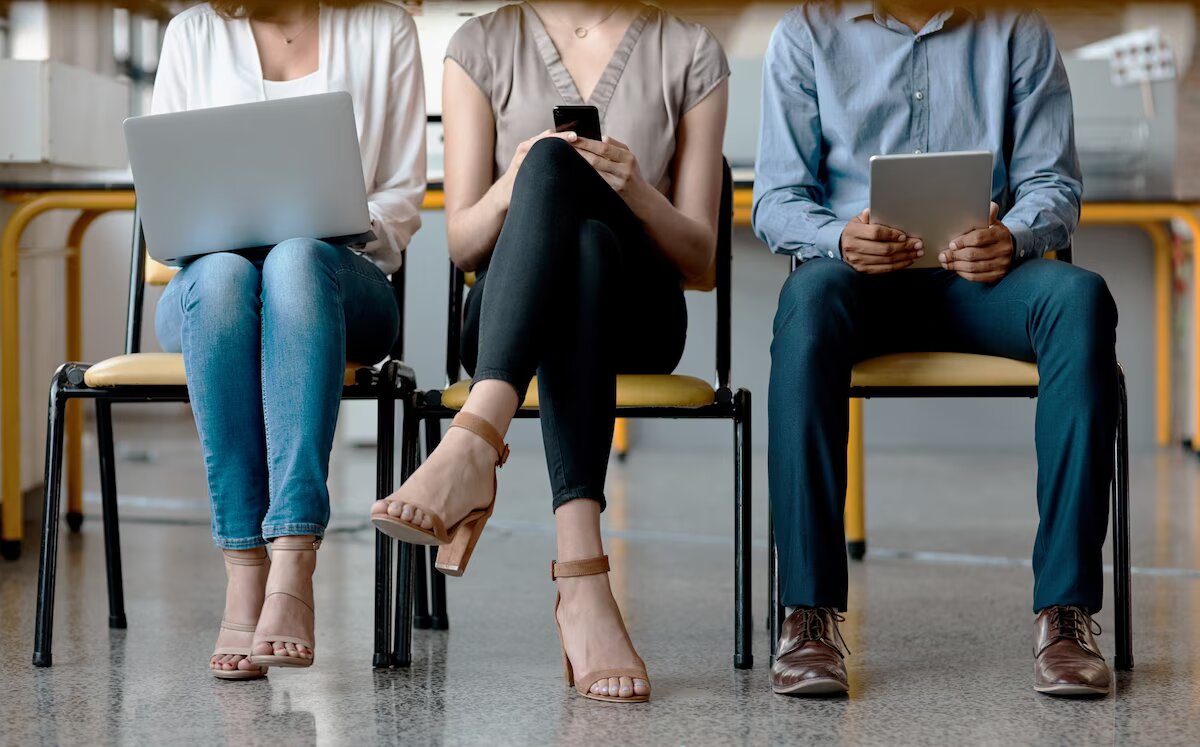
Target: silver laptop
(936,197)
(248,176)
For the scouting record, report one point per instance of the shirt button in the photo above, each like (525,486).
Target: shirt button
(920,95)
(919,40)
(830,253)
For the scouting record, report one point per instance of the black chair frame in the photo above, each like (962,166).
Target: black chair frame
(384,385)
(729,404)
(1122,574)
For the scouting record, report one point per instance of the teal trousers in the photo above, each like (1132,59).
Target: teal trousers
(830,317)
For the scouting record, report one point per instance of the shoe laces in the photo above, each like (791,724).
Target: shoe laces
(1070,622)
(814,627)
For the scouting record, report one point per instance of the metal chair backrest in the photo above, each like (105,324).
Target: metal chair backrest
(137,294)
(723,278)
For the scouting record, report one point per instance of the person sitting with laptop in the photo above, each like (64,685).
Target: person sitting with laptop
(581,247)
(940,78)
(266,337)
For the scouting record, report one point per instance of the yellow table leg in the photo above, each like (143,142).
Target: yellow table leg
(10,344)
(621,438)
(1163,293)
(856,504)
(1193,225)
(10,389)
(73,314)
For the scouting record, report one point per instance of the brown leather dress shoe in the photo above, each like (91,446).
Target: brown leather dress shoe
(810,658)
(1066,658)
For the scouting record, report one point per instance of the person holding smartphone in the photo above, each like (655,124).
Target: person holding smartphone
(265,337)
(581,249)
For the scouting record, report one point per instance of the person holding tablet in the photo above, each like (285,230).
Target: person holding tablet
(942,78)
(266,336)
(581,247)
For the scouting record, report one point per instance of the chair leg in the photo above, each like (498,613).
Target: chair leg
(421,617)
(1122,576)
(402,617)
(439,617)
(621,438)
(774,619)
(422,576)
(743,655)
(47,565)
(112,532)
(382,657)
(385,461)
(855,513)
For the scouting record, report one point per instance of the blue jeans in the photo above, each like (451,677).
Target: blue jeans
(830,317)
(265,344)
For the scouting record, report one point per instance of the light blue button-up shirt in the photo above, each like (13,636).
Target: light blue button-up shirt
(844,82)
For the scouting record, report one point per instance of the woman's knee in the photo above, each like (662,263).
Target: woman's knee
(552,170)
(297,257)
(551,155)
(219,281)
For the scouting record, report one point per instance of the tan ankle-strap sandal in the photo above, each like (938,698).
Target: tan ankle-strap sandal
(238,674)
(287,544)
(456,542)
(583,683)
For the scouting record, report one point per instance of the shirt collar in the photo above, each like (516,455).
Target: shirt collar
(852,11)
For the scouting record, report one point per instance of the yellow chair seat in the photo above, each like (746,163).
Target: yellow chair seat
(153,369)
(633,390)
(943,370)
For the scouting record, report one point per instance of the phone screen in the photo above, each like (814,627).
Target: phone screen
(584,121)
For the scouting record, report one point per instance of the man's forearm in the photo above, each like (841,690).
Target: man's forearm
(795,225)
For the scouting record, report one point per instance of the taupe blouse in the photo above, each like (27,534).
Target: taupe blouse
(662,68)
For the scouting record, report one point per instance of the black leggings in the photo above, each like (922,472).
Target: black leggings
(576,292)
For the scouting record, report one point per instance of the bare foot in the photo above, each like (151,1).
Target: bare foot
(455,480)
(288,614)
(244,589)
(595,637)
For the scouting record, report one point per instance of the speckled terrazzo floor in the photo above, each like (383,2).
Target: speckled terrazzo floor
(939,626)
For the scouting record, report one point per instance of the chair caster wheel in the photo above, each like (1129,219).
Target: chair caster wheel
(74,521)
(857,550)
(10,549)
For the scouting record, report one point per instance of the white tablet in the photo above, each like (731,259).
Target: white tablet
(933,196)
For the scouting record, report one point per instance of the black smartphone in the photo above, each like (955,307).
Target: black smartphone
(584,121)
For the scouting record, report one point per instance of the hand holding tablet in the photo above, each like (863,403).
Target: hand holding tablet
(873,248)
(936,199)
(983,255)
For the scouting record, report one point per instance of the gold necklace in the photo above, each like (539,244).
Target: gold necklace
(302,31)
(581,32)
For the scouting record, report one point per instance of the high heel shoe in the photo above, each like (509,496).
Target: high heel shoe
(238,674)
(287,544)
(457,542)
(583,683)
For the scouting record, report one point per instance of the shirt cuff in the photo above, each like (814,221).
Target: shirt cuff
(1025,243)
(829,239)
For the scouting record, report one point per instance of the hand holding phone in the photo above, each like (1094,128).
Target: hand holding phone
(584,121)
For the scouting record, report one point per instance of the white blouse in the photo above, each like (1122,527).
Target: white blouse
(370,51)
